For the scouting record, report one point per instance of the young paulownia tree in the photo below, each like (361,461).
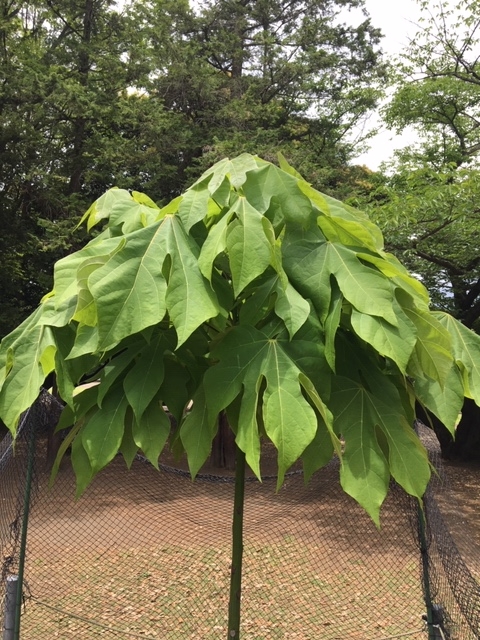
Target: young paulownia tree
(267,304)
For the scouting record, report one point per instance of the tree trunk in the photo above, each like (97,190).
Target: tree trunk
(223,446)
(466,444)
(80,132)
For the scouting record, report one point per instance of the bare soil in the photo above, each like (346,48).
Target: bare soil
(147,554)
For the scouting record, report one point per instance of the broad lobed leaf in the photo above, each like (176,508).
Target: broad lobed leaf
(252,294)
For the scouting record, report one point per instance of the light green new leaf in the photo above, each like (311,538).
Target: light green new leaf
(150,432)
(102,208)
(65,270)
(85,310)
(238,168)
(432,356)
(387,264)
(466,351)
(354,233)
(124,212)
(103,432)
(142,198)
(129,290)
(28,360)
(130,214)
(285,166)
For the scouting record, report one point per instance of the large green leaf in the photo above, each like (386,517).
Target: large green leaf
(131,291)
(143,380)
(304,261)
(190,299)
(245,357)
(150,432)
(269,182)
(466,351)
(193,206)
(197,432)
(249,248)
(27,360)
(432,356)
(367,289)
(103,433)
(364,473)
(395,342)
(445,402)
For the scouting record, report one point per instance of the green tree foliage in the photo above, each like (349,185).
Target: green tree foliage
(253,294)
(297,78)
(69,129)
(439,83)
(430,221)
(427,204)
(145,97)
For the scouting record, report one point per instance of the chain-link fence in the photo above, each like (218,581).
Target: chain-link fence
(146,553)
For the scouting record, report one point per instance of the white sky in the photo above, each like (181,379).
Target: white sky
(397,19)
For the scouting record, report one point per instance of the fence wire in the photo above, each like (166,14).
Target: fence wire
(146,554)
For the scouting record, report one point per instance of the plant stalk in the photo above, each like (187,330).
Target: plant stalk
(237,548)
(425,570)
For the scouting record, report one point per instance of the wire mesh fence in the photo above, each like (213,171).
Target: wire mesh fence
(146,553)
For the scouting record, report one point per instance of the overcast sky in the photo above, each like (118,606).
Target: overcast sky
(397,19)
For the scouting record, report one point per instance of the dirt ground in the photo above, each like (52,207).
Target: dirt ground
(146,554)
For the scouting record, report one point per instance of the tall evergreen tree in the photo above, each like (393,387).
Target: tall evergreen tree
(144,97)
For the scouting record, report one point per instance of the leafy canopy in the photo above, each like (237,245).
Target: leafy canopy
(253,294)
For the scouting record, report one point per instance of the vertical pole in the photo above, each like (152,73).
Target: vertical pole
(237,548)
(23,539)
(10,607)
(432,635)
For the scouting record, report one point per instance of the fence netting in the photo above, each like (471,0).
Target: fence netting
(146,553)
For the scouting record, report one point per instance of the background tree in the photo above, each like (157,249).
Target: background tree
(427,203)
(437,181)
(143,98)
(297,79)
(69,128)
